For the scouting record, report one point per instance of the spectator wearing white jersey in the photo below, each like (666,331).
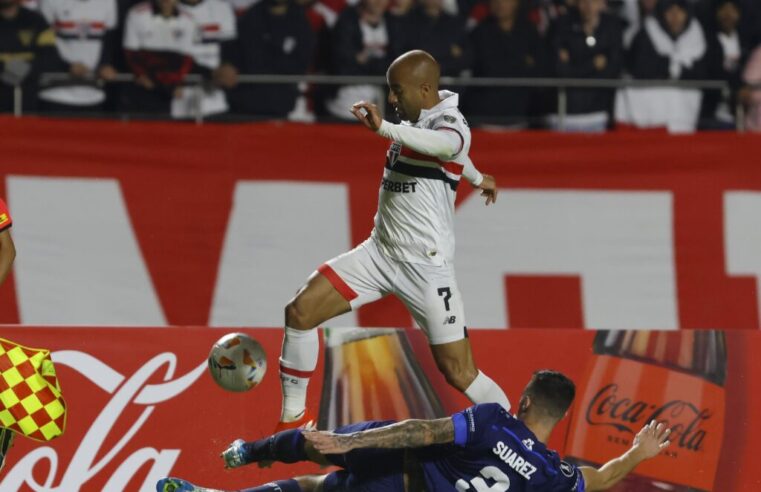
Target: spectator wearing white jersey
(81,28)
(670,46)
(158,44)
(213,48)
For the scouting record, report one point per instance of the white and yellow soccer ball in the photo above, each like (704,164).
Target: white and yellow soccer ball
(237,362)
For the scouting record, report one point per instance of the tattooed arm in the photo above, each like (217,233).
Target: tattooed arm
(405,434)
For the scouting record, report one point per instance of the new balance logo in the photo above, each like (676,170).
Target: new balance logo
(450,320)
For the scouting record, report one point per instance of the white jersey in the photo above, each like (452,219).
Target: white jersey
(415,218)
(80,27)
(215,22)
(146,30)
(240,6)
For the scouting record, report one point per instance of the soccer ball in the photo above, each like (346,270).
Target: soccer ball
(237,362)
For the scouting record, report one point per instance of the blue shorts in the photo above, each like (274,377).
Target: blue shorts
(366,470)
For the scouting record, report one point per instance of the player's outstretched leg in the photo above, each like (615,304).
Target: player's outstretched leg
(174,484)
(299,484)
(455,361)
(288,446)
(315,302)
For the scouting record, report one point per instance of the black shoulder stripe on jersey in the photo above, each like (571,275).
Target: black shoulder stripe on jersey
(423,172)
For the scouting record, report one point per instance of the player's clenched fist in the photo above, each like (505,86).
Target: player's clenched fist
(370,117)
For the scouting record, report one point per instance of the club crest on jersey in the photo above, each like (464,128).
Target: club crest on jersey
(393,153)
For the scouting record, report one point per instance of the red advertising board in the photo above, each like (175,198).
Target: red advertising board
(141,405)
(219,225)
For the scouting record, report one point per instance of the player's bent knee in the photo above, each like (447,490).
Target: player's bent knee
(296,317)
(311,483)
(458,375)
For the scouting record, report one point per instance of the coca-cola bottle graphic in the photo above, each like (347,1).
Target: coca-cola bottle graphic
(672,377)
(372,374)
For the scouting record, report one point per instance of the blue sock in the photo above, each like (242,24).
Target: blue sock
(279,486)
(286,447)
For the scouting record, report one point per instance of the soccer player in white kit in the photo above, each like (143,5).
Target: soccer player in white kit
(410,252)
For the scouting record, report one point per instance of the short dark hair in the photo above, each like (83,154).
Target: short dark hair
(551,392)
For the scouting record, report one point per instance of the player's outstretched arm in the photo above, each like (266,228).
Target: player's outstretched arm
(442,144)
(484,182)
(650,441)
(405,434)
(488,189)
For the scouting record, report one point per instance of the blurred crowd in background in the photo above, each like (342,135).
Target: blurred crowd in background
(161,42)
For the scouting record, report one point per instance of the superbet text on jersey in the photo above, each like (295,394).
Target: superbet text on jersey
(415,219)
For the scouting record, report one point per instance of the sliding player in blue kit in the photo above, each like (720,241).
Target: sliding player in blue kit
(481,449)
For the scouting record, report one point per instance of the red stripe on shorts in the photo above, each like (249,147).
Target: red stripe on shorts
(341,286)
(295,372)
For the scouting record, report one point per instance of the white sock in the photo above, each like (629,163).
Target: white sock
(484,390)
(298,360)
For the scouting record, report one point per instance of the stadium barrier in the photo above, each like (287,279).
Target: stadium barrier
(562,85)
(141,404)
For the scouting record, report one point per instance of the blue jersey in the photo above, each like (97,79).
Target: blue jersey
(495,452)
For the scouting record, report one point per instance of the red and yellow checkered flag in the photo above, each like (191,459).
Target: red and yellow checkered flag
(30,396)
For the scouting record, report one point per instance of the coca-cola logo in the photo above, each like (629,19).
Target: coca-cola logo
(628,415)
(89,459)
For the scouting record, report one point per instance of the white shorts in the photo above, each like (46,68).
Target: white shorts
(365,274)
